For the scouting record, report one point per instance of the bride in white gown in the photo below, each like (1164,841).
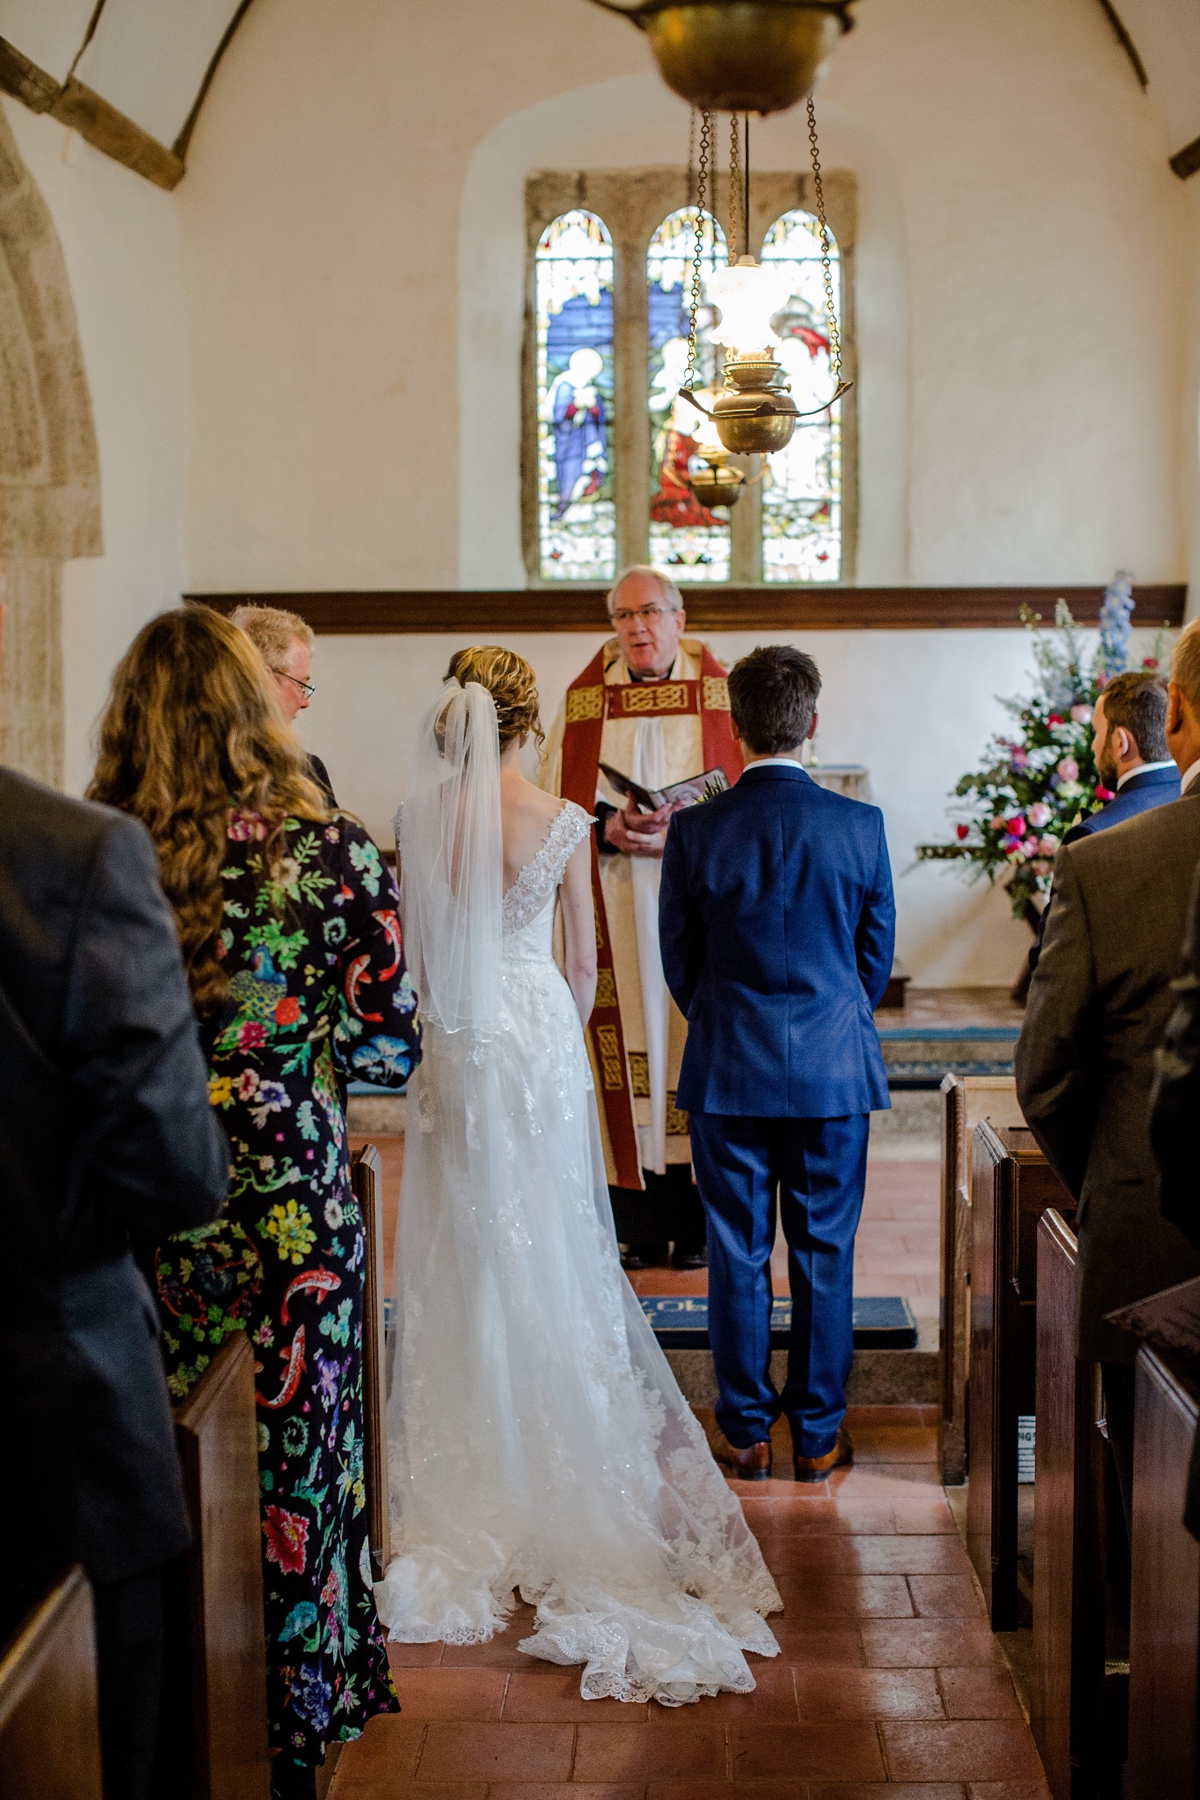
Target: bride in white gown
(538,1439)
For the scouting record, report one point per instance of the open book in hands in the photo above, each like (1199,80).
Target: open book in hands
(680,793)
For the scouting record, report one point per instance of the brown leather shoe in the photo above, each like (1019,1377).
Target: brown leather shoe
(751,1464)
(816,1468)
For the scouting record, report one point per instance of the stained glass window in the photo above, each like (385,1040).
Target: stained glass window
(802,492)
(574,342)
(687,541)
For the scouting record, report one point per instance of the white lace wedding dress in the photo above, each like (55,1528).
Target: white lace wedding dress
(538,1438)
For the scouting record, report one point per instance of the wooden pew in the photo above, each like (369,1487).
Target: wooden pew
(367,1176)
(966,1099)
(1067,1703)
(49,1730)
(213,1745)
(1164,1622)
(1011,1186)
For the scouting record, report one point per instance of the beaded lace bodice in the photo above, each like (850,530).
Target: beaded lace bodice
(529,902)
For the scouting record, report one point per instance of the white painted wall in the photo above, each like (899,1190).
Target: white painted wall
(353,245)
(120,241)
(303,363)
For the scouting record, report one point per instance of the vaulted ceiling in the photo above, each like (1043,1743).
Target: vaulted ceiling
(131,75)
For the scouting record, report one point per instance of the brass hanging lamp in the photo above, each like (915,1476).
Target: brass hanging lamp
(740,55)
(756,414)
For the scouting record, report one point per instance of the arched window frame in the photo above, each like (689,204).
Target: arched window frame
(633,203)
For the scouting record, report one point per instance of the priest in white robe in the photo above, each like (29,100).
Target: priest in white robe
(654,706)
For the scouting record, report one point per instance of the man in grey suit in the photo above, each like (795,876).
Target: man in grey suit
(105,1128)
(1098,1008)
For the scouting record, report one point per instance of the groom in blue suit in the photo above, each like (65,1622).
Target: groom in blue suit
(777,922)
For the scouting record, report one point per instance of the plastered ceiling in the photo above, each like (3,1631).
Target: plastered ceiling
(103,65)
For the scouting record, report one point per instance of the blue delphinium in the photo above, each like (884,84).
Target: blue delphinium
(1115,628)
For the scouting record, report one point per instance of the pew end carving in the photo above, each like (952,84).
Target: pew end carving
(1071,1712)
(966,1099)
(367,1176)
(1012,1185)
(1164,1622)
(49,1728)
(213,1738)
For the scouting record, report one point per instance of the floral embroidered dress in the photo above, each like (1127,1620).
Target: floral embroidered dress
(319,989)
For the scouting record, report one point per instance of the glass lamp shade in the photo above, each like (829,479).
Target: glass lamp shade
(749,295)
(708,443)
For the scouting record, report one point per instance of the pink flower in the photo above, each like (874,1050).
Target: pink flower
(1055,719)
(1019,759)
(243,827)
(1082,715)
(1038,814)
(1105,794)
(997,824)
(1016,825)
(1068,768)
(1011,846)
(247,1084)
(1149,662)
(1030,846)
(251,1035)
(1048,846)
(963,831)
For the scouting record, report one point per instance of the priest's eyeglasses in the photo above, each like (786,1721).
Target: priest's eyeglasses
(624,616)
(306,687)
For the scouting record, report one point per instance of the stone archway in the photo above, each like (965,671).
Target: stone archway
(49,468)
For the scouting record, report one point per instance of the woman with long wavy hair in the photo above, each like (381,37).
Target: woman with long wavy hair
(287,918)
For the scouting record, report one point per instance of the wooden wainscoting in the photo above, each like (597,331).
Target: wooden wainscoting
(357,613)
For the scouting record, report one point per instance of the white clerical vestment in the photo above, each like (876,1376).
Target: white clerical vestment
(655,748)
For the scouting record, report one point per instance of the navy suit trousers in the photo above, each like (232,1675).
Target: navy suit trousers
(815,1171)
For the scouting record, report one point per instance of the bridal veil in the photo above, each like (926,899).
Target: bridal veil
(538,1439)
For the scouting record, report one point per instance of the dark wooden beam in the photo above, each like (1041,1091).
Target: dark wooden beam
(1126,42)
(106,129)
(466,611)
(91,115)
(1185,162)
(185,136)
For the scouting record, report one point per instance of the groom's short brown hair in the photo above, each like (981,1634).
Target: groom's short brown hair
(773,696)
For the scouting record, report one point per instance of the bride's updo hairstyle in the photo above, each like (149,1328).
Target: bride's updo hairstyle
(510,681)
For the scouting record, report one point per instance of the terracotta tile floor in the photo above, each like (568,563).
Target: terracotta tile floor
(888,1684)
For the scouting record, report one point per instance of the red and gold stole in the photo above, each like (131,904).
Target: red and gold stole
(590,700)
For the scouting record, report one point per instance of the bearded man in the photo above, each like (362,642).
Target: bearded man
(654,706)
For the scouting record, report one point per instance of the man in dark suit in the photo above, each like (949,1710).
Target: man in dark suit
(777,922)
(104,1126)
(1129,742)
(1098,1008)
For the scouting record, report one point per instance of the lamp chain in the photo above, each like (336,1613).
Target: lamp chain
(690,199)
(697,235)
(737,231)
(835,340)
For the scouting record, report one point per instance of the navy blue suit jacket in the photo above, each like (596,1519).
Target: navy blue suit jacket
(777,924)
(1142,792)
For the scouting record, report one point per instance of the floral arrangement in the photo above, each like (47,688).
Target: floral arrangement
(1041,781)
